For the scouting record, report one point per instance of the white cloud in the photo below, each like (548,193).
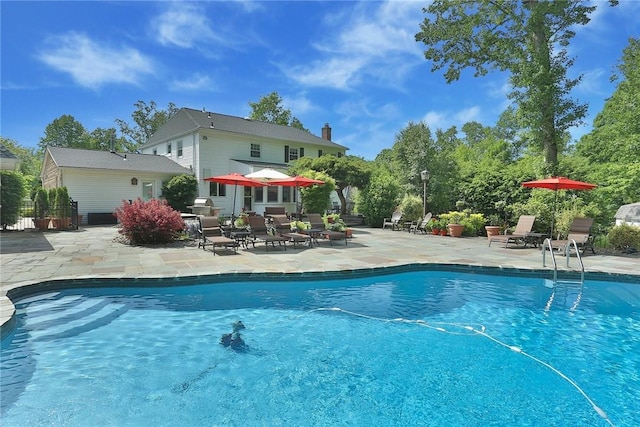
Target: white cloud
(183,25)
(591,82)
(250,5)
(298,105)
(196,82)
(445,119)
(93,64)
(372,41)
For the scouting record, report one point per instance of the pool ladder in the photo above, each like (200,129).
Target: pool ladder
(567,250)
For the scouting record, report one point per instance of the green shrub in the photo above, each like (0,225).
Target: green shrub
(11,194)
(317,198)
(333,222)
(378,199)
(473,222)
(149,222)
(411,207)
(180,191)
(625,237)
(42,203)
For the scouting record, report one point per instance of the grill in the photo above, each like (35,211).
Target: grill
(203,206)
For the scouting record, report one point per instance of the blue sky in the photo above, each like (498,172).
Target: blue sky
(354,65)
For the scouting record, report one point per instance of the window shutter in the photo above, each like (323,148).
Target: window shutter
(286,154)
(301,151)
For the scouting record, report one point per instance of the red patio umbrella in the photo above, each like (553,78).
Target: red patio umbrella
(556,183)
(235,179)
(296,181)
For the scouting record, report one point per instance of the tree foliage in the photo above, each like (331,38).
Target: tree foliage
(147,119)
(270,109)
(12,190)
(65,131)
(346,171)
(529,40)
(616,129)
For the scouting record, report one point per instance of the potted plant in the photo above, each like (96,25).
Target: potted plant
(493,226)
(61,208)
(241,222)
(454,226)
(42,209)
(434,226)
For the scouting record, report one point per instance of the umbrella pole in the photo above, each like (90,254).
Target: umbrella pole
(553,216)
(233,212)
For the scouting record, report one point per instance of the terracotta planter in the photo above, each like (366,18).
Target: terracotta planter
(348,232)
(435,231)
(492,230)
(455,230)
(42,224)
(62,223)
(443,232)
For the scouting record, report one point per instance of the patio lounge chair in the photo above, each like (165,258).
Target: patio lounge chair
(259,231)
(318,224)
(282,225)
(394,221)
(422,225)
(580,232)
(523,229)
(210,233)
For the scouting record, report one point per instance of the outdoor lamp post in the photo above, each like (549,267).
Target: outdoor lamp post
(425,177)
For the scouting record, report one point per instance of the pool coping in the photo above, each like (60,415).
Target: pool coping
(32,288)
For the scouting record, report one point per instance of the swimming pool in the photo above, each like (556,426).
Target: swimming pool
(429,348)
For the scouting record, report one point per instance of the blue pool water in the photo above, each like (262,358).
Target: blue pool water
(422,348)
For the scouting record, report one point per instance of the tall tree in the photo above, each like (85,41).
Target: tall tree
(65,131)
(148,119)
(270,109)
(528,39)
(616,129)
(106,139)
(346,171)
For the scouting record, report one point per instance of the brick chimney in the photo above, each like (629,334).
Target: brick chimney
(326,132)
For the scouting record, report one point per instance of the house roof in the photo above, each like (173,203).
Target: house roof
(5,153)
(187,120)
(630,212)
(94,159)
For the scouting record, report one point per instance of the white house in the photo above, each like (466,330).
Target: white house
(8,160)
(100,180)
(214,144)
(628,214)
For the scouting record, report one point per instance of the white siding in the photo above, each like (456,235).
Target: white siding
(100,191)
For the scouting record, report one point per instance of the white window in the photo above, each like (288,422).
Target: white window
(293,154)
(286,194)
(217,189)
(255,150)
(147,190)
(179,148)
(272,194)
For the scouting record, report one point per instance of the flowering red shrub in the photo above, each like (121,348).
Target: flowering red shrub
(149,222)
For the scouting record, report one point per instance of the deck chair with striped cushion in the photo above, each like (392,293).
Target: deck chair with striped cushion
(523,228)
